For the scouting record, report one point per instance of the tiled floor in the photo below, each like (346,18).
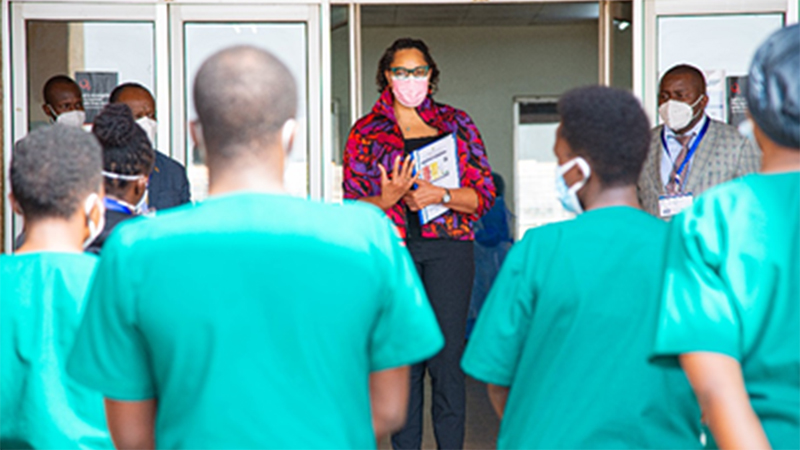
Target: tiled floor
(482,423)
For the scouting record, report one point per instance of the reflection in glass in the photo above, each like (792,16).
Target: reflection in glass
(99,55)
(536,163)
(719,45)
(340,82)
(287,41)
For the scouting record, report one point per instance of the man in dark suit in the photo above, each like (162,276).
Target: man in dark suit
(169,185)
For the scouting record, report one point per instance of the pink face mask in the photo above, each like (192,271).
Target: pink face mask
(411,91)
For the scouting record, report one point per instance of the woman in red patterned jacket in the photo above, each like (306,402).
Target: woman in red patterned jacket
(378,170)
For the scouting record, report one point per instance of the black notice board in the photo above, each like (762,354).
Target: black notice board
(96,88)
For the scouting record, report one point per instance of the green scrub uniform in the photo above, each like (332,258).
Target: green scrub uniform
(255,320)
(733,287)
(42,297)
(569,326)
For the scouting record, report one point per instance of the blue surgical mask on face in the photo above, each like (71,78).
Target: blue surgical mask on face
(568,195)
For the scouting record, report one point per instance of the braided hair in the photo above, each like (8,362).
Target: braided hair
(126,148)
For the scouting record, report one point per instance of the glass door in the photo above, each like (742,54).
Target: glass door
(719,38)
(97,45)
(289,32)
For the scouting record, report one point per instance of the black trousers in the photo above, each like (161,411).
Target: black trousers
(447,269)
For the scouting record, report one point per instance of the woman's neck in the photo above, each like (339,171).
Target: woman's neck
(410,123)
(612,196)
(780,159)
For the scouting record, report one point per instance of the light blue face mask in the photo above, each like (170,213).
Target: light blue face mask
(568,195)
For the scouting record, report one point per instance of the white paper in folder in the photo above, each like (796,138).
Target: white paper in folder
(437,163)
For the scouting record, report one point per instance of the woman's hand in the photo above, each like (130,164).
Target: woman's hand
(425,194)
(394,188)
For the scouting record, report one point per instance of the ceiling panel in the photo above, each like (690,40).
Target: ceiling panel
(495,14)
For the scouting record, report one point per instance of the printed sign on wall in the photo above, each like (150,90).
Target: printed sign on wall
(96,88)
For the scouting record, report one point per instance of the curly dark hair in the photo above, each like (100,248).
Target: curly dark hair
(53,169)
(126,148)
(609,128)
(403,44)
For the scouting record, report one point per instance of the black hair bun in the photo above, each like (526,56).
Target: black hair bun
(114,126)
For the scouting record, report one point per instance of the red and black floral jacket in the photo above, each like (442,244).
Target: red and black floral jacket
(376,138)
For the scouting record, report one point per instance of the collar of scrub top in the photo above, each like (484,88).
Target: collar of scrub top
(699,131)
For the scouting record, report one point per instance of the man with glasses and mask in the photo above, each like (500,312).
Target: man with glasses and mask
(63,101)
(56,186)
(690,152)
(169,185)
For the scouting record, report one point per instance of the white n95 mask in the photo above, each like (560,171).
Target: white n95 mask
(150,127)
(94,228)
(73,118)
(568,195)
(676,115)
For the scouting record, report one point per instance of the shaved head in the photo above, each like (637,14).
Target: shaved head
(692,73)
(59,83)
(243,97)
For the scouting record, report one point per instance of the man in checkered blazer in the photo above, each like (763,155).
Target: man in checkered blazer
(691,152)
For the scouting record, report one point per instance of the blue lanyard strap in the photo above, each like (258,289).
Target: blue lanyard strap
(692,148)
(114,205)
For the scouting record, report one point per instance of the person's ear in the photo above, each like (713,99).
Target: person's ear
(703,102)
(14,204)
(93,209)
(288,133)
(96,211)
(196,130)
(140,186)
(388,75)
(48,111)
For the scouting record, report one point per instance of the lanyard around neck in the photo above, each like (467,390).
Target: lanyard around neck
(692,148)
(117,206)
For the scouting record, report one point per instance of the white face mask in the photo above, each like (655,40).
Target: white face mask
(94,228)
(677,115)
(73,118)
(568,195)
(150,127)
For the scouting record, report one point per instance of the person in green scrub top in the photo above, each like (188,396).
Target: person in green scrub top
(564,337)
(253,319)
(731,298)
(56,187)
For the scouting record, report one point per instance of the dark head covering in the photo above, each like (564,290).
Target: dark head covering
(773,87)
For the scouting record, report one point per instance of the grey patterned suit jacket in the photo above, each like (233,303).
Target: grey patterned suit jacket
(723,155)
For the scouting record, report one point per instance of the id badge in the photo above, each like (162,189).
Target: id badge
(669,205)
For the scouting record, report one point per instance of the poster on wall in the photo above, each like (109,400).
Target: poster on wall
(715,89)
(96,88)
(737,104)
